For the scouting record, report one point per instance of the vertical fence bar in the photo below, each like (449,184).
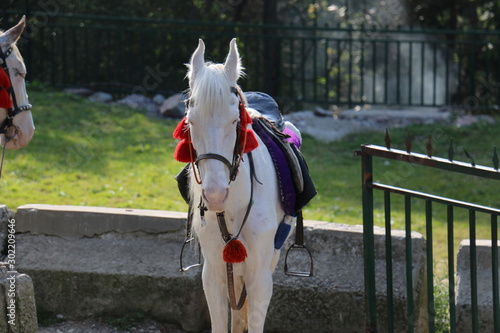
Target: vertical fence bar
(315,67)
(451,270)
(368,244)
(64,36)
(434,74)
(303,71)
(494,267)
(339,71)
(422,73)
(327,72)
(410,73)
(409,266)
(53,67)
(374,70)
(447,98)
(349,66)
(473,270)
(388,262)
(398,72)
(292,67)
(430,266)
(386,71)
(362,64)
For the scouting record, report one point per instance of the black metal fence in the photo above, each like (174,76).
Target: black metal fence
(341,65)
(375,312)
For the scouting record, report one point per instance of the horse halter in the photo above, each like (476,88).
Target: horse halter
(15,109)
(237,151)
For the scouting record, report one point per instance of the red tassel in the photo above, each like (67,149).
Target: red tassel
(234,252)
(5,100)
(251,141)
(181,132)
(184,152)
(245,118)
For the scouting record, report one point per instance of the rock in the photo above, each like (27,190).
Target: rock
(137,101)
(101,97)
(159,99)
(320,112)
(173,106)
(84,92)
(468,120)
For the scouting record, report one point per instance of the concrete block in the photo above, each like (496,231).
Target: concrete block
(484,287)
(17,302)
(333,299)
(5,215)
(88,261)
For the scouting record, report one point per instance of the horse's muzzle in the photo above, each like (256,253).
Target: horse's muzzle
(215,199)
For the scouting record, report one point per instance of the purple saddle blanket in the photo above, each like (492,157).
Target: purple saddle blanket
(292,200)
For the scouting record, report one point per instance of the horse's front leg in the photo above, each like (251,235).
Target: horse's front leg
(260,290)
(215,287)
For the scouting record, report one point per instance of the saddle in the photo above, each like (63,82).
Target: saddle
(296,185)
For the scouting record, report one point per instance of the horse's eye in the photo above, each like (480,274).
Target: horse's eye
(235,121)
(18,73)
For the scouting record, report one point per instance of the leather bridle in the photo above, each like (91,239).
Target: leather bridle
(237,152)
(16,108)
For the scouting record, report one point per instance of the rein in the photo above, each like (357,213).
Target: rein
(13,111)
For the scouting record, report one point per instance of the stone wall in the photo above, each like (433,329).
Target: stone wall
(87,261)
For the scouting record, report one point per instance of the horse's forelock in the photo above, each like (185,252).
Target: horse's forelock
(211,88)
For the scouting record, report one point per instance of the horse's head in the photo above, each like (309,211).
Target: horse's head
(20,134)
(213,116)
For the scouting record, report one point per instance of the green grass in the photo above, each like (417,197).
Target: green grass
(101,155)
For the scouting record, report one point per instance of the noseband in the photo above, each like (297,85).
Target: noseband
(237,152)
(15,109)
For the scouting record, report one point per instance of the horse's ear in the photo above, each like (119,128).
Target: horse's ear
(13,34)
(197,60)
(232,66)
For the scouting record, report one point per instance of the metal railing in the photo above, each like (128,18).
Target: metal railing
(373,313)
(342,65)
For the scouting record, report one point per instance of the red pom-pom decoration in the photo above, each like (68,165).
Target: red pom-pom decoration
(248,141)
(184,152)
(234,252)
(251,141)
(181,132)
(5,100)
(245,118)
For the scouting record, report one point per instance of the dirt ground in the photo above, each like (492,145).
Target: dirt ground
(98,326)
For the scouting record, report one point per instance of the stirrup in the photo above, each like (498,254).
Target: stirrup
(299,273)
(185,268)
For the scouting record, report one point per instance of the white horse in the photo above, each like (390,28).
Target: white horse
(21,130)
(213,121)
